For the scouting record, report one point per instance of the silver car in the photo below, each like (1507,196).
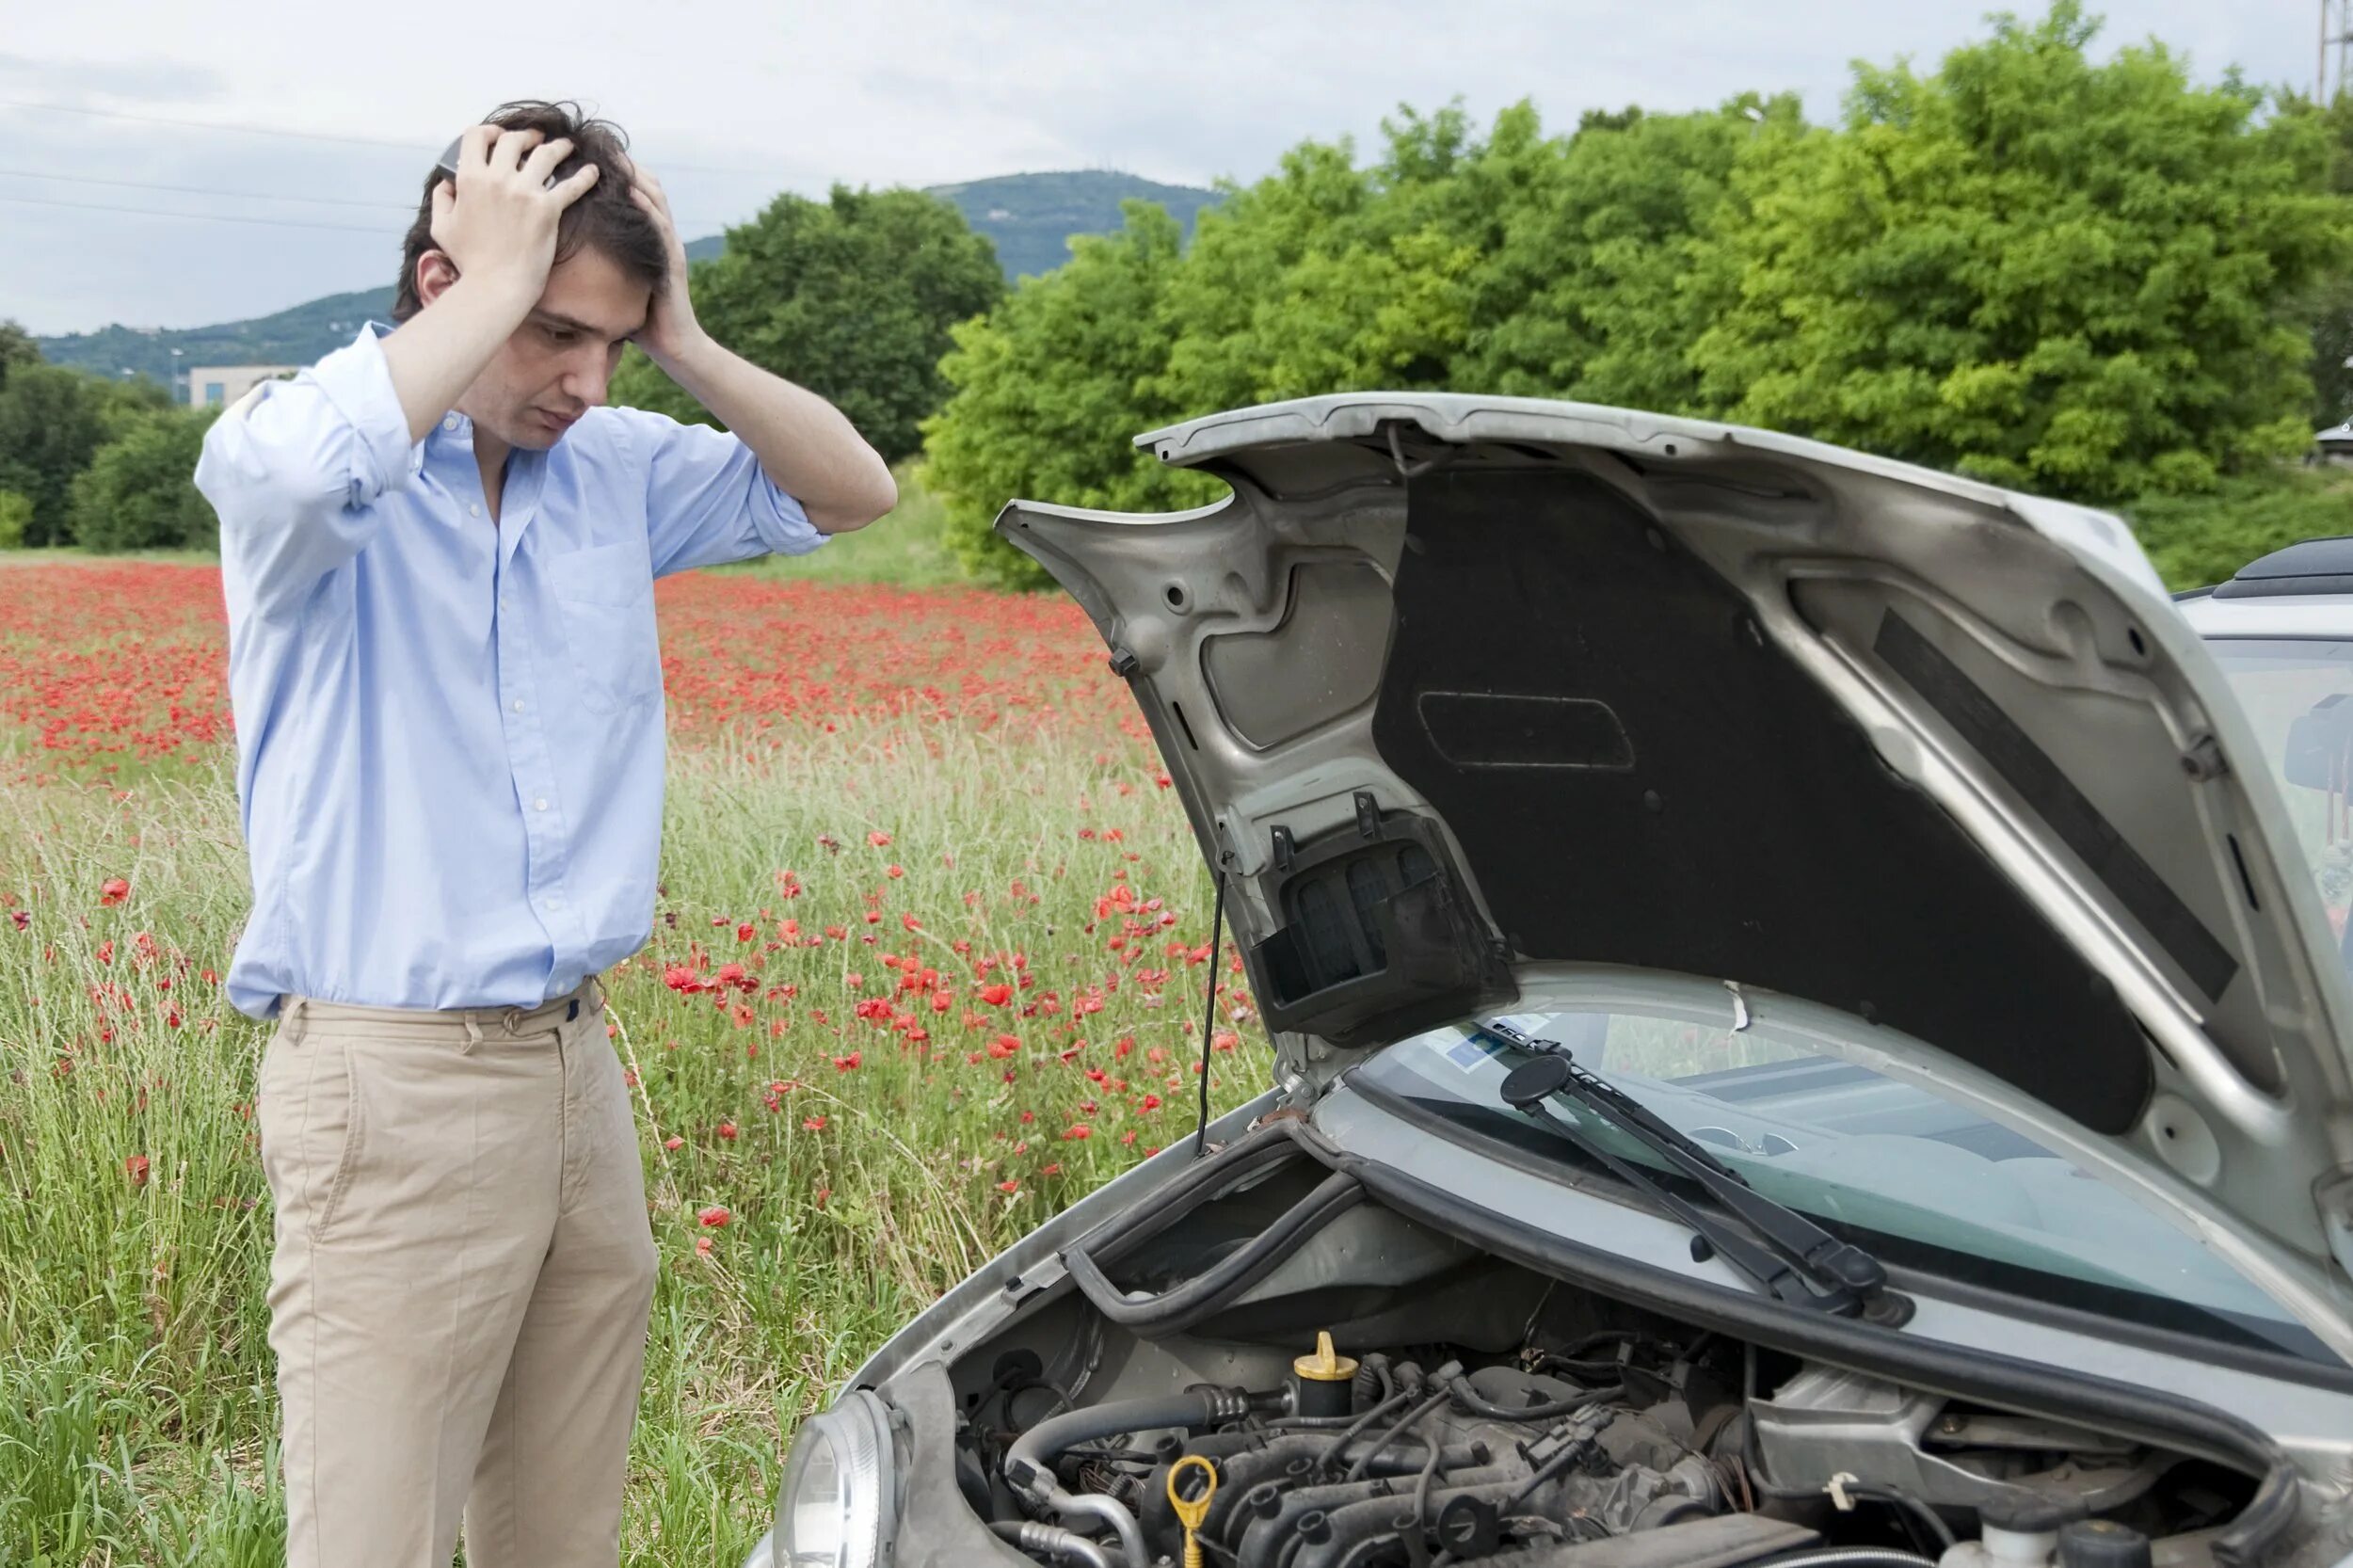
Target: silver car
(1804,1031)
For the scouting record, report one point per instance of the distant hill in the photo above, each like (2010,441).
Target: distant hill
(1029,217)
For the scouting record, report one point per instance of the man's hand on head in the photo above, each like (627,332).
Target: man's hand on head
(670,326)
(498,217)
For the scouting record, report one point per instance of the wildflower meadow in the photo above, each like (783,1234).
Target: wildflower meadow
(929,961)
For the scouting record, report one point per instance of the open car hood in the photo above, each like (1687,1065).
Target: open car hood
(1454,684)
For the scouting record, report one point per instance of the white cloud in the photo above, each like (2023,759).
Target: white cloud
(735,100)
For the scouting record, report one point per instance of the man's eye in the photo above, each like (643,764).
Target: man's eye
(558,334)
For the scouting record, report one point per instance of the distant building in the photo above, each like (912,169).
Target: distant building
(214,386)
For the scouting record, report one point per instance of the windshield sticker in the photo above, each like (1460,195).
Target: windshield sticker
(1470,1050)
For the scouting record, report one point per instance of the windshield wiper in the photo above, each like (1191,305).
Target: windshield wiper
(1790,1258)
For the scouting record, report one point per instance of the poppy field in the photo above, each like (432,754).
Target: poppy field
(930,961)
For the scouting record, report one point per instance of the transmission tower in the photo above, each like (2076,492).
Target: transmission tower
(2336,27)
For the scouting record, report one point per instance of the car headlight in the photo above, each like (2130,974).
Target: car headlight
(839,1504)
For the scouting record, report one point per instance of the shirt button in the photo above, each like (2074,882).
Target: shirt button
(519,705)
(556,901)
(473,509)
(539,804)
(449,421)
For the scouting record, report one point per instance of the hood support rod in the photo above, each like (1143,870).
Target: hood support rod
(1208,1015)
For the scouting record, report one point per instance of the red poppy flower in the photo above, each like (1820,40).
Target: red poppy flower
(726,1130)
(813,1124)
(846,1062)
(878,838)
(135,1168)
(714,1216)
(114,890)
(997,995)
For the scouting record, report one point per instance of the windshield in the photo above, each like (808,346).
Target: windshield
(2298,695)
(1914,1178)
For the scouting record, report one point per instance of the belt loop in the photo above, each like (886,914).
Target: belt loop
(474,1034)
(512,1016)
(291,1019)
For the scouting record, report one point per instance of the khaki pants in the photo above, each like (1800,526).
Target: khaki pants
(462,1281)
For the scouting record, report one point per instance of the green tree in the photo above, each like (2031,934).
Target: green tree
(852,297)
(1598,289)
(16,514)
(138,491)
(2065,277)
(2330,302)
(51,420)
(17,347)
(1050,387)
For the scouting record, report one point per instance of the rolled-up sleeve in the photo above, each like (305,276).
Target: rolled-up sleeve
(294,469)
(708,501)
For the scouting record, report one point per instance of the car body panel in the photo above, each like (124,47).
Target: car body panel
(2019,792)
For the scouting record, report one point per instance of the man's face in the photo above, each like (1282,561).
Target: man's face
(554,367)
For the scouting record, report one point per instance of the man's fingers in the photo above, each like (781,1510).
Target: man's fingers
(575,185)
(444,197)
(508,151)
(474,146)
(544,158)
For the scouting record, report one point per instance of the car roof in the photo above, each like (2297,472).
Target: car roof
(2319,615)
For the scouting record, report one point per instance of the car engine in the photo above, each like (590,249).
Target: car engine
(1382,1395)
(1615,1448)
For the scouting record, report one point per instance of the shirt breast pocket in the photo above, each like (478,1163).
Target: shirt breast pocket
(605,595)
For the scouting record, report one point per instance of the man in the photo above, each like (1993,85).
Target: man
(438,549)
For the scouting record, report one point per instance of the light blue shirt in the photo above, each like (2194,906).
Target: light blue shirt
(450,730)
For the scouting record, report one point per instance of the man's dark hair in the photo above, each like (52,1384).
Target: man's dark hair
(605,218)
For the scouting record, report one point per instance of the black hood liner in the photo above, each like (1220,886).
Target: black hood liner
(1733,821)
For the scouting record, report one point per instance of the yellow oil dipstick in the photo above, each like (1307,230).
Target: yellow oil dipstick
(1190,1513)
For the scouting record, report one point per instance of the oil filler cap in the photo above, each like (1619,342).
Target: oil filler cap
(1325,1366)
(1322,1383)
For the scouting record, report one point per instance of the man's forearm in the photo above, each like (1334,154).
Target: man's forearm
(803,444)
(435,355)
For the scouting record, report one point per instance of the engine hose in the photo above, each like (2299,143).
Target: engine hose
(1240,1473)
(1364,1461)
(1848,1557)
(1371,1383)
(1050,1541)
(1182,1306)
(1262,1530)
(1029,1462)
(1358,1425)
(1468,1398)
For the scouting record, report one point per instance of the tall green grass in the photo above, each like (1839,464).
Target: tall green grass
(137,1410)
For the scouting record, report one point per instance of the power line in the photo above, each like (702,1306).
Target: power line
(234,218)
(208,124)
(317,136)
(208,190)
(200,218)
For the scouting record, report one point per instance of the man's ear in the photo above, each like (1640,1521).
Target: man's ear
(435,273)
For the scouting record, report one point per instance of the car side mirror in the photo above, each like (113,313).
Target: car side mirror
(2318,740)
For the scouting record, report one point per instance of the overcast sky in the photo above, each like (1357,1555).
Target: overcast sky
(732,101)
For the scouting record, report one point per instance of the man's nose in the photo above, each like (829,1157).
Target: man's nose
(585,379)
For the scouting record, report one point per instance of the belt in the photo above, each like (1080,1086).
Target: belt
(304,1015)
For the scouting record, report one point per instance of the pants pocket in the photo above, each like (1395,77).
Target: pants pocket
(312,1115)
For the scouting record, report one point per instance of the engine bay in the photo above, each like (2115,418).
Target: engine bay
(1369,1391)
